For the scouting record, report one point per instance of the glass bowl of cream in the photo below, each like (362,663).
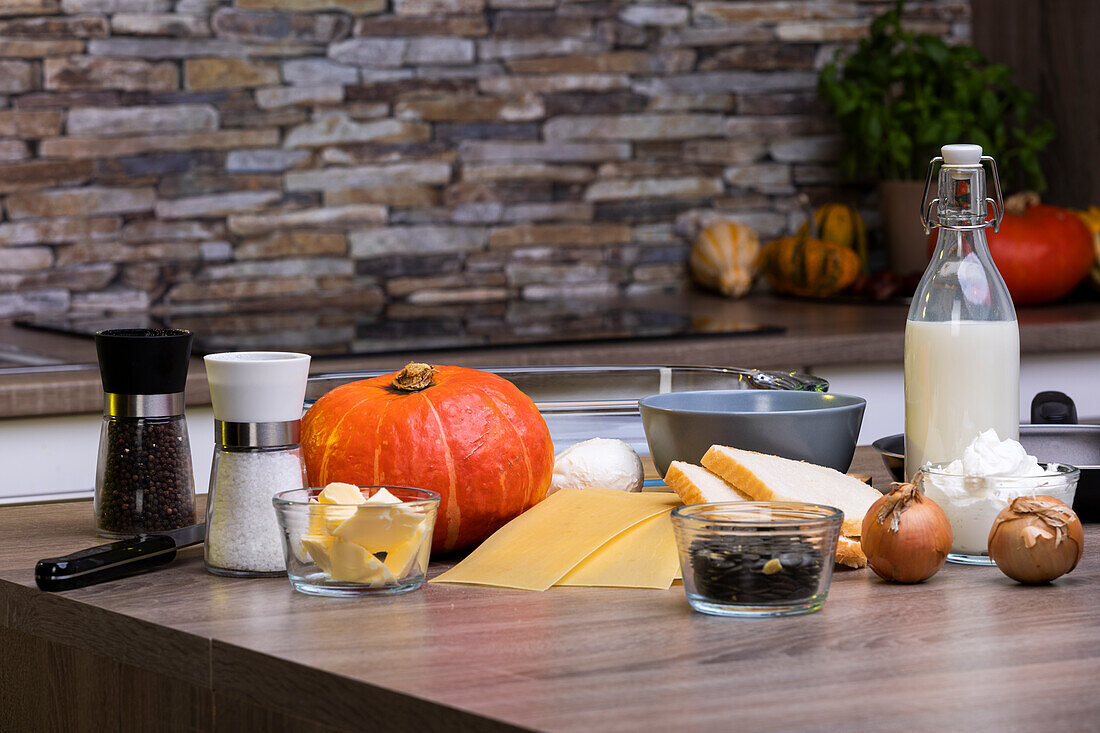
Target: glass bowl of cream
(973,489)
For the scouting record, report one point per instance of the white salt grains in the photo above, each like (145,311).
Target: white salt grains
(242,534)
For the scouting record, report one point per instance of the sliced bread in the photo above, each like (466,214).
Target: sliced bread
(771,478)
(696,485)
(849,553)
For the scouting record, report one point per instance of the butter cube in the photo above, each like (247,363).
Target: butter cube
(402,559)
(378,529)
(351,563)
(324,517)
(341,493)
(383,496)
(317,548)
(342,539)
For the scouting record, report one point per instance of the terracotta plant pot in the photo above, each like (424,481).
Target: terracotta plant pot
(906,244)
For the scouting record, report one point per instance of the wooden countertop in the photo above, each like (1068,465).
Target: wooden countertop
(968,650)
(818,333)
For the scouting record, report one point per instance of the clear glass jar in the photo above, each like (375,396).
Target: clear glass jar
(242,535)
(397,564)
(972,503)
(756,558)
(144,480)
(962,341)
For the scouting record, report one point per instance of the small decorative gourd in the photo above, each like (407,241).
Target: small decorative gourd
(808,267)
(724,258)
(842,224)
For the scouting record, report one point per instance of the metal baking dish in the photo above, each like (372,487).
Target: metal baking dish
(1054,435)
(579,403)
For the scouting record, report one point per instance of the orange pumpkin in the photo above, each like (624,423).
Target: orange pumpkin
(467,434)
(1041,251)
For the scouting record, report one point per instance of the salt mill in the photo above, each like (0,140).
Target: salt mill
(144,478)
(257,398)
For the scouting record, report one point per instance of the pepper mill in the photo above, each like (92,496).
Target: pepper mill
(144,479)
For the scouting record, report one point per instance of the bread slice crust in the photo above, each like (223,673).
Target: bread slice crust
(849,553)
(696,485)
(771,478)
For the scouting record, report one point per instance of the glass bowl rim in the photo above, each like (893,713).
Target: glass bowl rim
(1065,473)
(824,514)
(282,499)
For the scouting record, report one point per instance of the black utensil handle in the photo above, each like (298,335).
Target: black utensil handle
(104,562)
(1053,408)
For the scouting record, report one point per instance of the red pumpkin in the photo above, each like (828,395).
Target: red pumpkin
(1041,251)
(469,435)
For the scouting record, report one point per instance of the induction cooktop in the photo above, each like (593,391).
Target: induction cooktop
(403,328)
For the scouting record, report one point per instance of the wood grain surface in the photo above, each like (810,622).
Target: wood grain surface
(818,333)
(968,650)
(56,687)
(1051,47)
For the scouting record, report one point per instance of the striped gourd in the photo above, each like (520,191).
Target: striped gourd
(842,224)
(724,258)
(808,267)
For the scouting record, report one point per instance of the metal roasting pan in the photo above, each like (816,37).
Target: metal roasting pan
(1054,435)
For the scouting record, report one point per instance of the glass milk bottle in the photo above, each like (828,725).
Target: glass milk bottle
(962,343)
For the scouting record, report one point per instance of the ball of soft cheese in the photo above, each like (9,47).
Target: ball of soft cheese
(603,463)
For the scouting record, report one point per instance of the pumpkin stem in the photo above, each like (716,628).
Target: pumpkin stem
(414,377)
(1019,203)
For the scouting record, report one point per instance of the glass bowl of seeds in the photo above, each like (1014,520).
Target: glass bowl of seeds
(756,558)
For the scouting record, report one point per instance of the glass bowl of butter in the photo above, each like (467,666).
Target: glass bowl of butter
(348,540)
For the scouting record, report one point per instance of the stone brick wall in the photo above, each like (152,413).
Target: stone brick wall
(215,154)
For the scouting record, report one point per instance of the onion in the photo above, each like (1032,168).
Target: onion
(1036,539)
(905,535)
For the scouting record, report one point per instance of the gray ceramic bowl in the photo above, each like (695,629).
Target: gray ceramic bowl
(807,426)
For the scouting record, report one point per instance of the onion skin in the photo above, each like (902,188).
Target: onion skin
(1058,540)
(917,548)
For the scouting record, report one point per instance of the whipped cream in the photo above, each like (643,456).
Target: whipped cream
(988,455)
(973,489)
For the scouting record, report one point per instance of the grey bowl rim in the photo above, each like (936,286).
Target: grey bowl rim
(857,402)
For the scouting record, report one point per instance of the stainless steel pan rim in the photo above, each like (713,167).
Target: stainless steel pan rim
(886,445)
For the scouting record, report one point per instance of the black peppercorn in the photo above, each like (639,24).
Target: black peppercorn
(146,483)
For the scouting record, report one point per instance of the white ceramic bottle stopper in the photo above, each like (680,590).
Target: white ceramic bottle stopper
(961,155)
